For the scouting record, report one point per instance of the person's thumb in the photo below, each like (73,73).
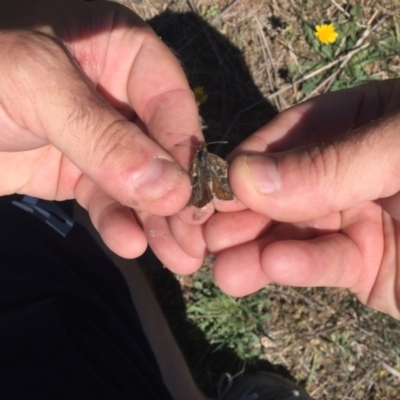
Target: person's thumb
(307,182)
(49,101)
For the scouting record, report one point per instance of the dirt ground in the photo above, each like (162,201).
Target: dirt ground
(254,59)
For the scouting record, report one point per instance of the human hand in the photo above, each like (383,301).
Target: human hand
(325,201)
(92,105)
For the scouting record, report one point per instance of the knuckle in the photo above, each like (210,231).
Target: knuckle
(106,138)
(322,163)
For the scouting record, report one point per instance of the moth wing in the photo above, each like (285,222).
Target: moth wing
(219,178)
(201,191)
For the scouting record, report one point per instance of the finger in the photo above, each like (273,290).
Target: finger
(165,246)
(385,279)
(237,269)
(132,76)
(65,110)
(188,236)
(228,205)
(391,205)
(349,257)
(226,230)
(115,223)
(331,260)
(308,182)
(198,216)
(315,179)
(238,272)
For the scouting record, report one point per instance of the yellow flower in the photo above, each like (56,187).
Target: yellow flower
(199,95)
(326,33)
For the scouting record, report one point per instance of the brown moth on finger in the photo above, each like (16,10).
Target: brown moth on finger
(209,177)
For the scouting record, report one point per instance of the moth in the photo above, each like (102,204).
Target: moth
(209,177)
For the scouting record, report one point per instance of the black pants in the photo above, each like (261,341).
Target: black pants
(68,328)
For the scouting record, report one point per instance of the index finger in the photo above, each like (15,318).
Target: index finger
(141,72)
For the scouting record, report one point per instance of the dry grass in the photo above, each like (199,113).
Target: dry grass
(255,58)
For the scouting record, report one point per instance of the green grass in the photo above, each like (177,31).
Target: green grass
(256,58)
(227,322)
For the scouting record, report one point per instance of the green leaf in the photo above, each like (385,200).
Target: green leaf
(355,11)
(327,51)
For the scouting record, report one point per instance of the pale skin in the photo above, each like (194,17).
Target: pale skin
(329,190)
(88,111)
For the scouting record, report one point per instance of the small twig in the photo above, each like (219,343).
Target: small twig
(387,11)
(310,302)
(391,370)
(372,18)
(192,6)
(267,58)
(225,11)
(221,14)
(358,383)
(339,7)
(327,83)
(368,31)
(303,79)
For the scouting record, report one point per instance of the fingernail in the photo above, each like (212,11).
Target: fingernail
(159,179)
(263,173)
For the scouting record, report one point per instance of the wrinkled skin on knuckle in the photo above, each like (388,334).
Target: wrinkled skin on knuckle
(113,135)
(321,162)
(85,115)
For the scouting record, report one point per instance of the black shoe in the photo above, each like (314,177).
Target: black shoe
(260,386)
